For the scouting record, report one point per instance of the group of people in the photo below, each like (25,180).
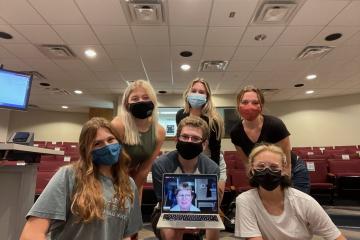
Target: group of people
(99,196)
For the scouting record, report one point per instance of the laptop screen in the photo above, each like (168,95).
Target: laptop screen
(195,193)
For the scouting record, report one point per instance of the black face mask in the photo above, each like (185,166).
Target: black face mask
(141,110)
(267,179)
(189,150)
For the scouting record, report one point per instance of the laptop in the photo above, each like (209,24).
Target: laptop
(190,201)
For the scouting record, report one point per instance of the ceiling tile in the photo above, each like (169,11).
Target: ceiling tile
(155,52)
(240,66)
(17,37)
(58,12)
(234,77)
(344,52)
(39,34)
(271,32)
(129,65)
(326,10)
(243,9)
(154,35)
(160,65)
(189,12)
(76,34)
(298,35)
(101,62)
(346,32)
(160,77)
(349,16)
(107,76)
(91,9)
(196,52)
(218,53)
(283,53)
(215,36)
(250,53)
(354,40)
(15,64)
(43,65)
(132,76)
(5,54)
(71,65)
(2,22)
(24,50)
(114,34)
(19,12)
(187,35)
(121,51)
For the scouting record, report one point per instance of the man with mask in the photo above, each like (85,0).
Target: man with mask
(191,137)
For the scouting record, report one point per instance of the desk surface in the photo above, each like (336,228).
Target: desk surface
(25,148)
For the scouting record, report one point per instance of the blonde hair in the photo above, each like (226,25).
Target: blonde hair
(250,88)
(87,200)
(264,147)
(195,122)
(131,134)
(208,110)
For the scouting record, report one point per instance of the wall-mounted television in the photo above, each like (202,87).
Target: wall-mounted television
(14,89)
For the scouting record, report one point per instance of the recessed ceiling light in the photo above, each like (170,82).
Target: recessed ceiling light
(309,91)
(78,91)
(64,107)
(299,85)
(162,91)
(186,54)
(311,76)
(44,84)
(333,37)
(90,53)
(185,67)
(5,35)
(260,37)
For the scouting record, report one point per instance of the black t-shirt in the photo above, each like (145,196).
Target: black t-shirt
(214,143)
(272,131)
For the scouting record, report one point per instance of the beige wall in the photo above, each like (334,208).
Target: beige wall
(4,122)
(326,121)
(48,125)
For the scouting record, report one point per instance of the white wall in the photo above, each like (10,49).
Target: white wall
(48,125)
(4,122)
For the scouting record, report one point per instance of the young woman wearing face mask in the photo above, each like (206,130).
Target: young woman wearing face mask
(139,130)
(93,198)
(274,210)
(198,102)
(255,127)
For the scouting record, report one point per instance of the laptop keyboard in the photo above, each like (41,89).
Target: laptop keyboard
(190,217)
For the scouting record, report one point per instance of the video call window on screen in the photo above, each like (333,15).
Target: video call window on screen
(202,196)
(14,89)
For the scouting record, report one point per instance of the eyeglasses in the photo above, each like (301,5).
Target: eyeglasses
(184,196)
(187,138)
(262,166)
(246,102)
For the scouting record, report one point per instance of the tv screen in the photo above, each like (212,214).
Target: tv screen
(14,89)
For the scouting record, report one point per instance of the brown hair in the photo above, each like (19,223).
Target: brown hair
(87,201)
(196,122)
(250,88)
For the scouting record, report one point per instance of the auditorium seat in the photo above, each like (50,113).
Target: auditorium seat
(319,179)
(346,174)
(42,180)
(323,148)
(239,180)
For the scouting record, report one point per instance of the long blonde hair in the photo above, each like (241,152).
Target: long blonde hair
(131,135)
(216,123)
(87,201)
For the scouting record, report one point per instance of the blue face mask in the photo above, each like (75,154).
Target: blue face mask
(107,155)
(196,100)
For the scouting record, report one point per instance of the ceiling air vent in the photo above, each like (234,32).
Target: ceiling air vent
(146,11)
(275,12)
(57,91)
(312,52)
(57,51)
(213,66)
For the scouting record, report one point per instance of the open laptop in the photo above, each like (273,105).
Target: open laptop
(197,190)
